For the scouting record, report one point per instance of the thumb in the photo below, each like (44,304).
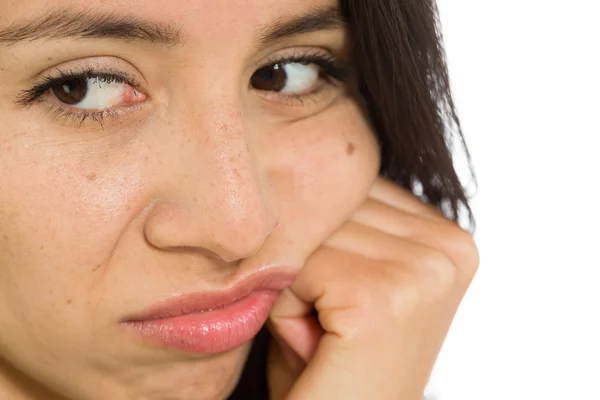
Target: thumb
(294,327)
(296,335)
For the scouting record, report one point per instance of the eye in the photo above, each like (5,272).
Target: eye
(291,77)
(93,93)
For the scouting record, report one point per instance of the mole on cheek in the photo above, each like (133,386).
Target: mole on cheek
(350,149)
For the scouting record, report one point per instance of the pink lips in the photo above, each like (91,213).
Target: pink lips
(213,322)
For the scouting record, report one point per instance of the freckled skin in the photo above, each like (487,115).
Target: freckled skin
(203,183)
(91,177)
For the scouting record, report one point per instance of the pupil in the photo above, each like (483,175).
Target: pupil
(271,78)
(71,92)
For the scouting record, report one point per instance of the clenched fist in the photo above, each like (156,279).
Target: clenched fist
(367,315)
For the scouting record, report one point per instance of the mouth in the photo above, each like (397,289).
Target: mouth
(212,322)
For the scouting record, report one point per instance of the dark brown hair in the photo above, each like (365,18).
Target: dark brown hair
(403,80)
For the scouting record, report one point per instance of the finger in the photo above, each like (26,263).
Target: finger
(443,235)
(365,308)
(412,257)
(284,368)
(396,196)
(291,322)
(372,243)
(289,306)
(320,283)
(335,280)
(292,359)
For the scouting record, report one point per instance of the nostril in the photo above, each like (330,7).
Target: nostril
(243,241)
(238,251)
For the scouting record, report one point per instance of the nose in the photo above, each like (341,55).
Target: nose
(214,196)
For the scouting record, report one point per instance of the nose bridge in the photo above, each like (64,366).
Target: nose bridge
(233,175)
(238,218)
(219,187)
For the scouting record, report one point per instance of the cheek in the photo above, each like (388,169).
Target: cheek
(325,172)
(59,220)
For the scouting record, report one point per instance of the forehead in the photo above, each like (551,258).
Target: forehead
(191,16)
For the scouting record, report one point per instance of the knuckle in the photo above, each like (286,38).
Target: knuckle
(435,271)
(465,251)
(442,272)
(405,301)
(397,289)
(365,296)
(460,247)
(425,278)
(392,289)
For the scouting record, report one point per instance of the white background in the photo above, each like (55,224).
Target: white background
(525,75)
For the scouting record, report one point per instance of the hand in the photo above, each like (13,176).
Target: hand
(386,287)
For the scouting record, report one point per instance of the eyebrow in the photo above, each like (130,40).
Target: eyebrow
(64,23)
(317,19)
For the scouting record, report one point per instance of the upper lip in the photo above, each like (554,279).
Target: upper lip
(190,303)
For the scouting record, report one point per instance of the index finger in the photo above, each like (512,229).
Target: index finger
(394,195)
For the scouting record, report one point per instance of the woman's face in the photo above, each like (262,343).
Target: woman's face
(150,149)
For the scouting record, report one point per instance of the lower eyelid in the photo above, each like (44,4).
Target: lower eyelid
(318,96)
(77,117)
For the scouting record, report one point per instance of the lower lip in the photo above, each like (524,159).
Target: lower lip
(211,332)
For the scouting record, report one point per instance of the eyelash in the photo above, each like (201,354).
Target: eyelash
(36,93)
(334,70)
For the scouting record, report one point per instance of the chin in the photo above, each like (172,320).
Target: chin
(212,378)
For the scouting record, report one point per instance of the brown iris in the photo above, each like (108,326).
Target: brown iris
(272,78)
(71,92)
